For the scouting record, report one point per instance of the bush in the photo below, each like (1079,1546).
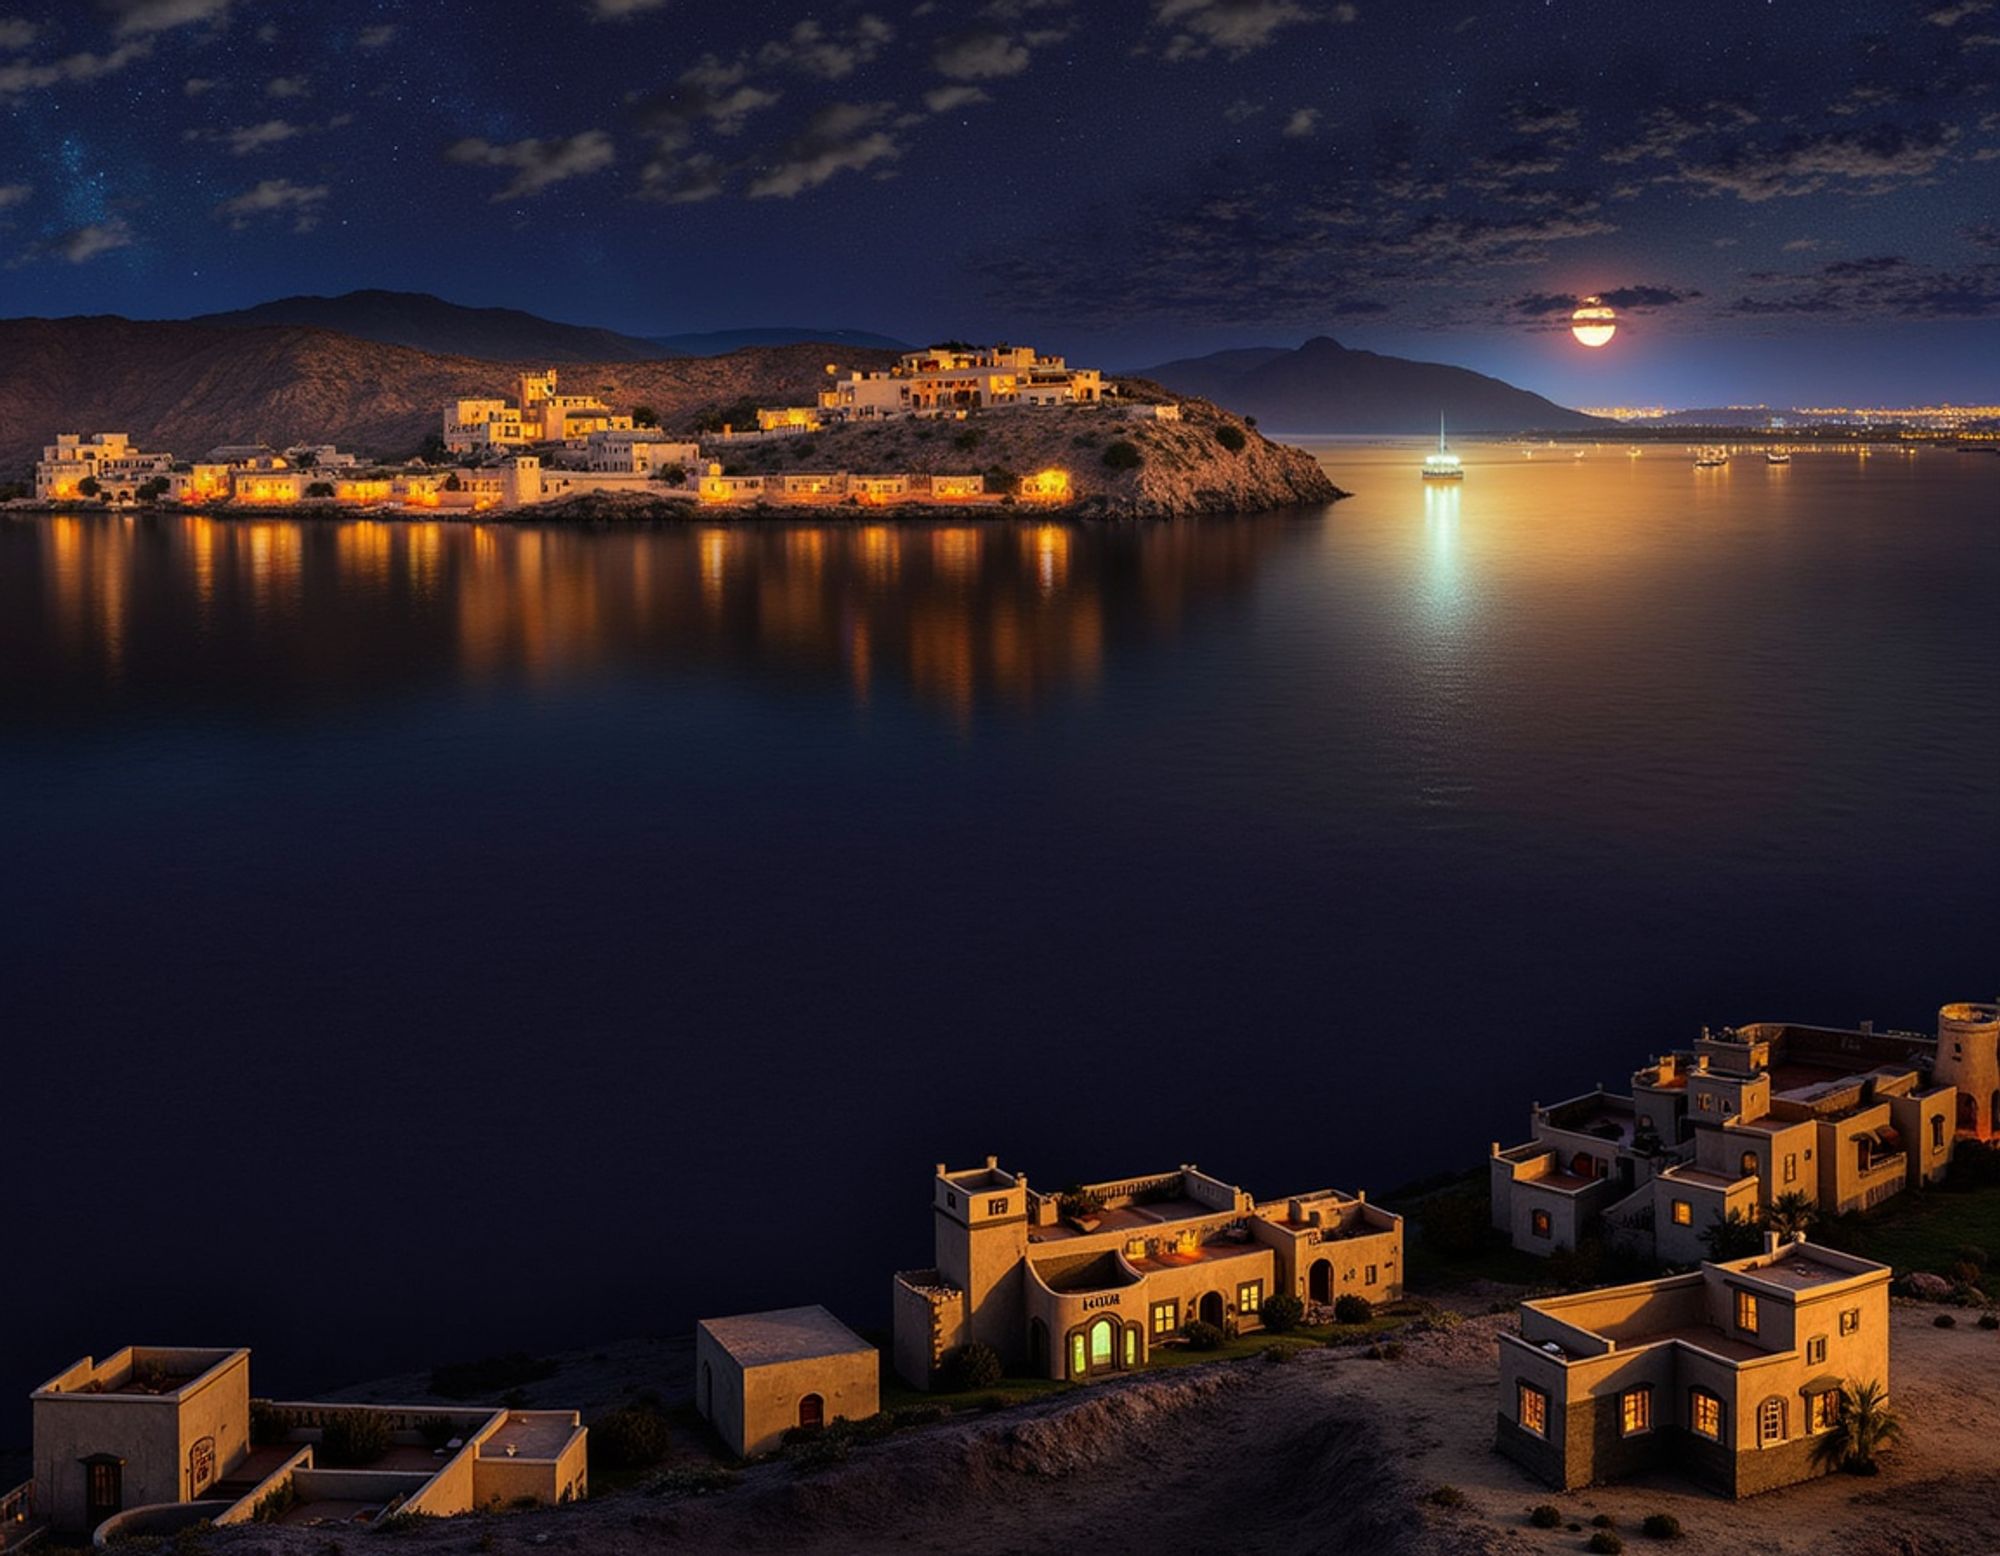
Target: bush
(1945,1321)
(1351,1309)
(630,1438)
(1661,1526)
(691,1480)
(1603,1521)
(1277,1354)
(1458,1224)
(1604,1543)
(972,1366)
(1202,1336)
(969,439)
(267,1424)
(320,489)
(1123,456)
(1966,1273)
(1545,1515)
(1281,1312)
(920,1415)
(1989,1320)
(1445,1496)
(1971,1253)
(353,1438)
(436,1431)
(1231,438)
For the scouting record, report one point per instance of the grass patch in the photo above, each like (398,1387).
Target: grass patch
(1925,1228)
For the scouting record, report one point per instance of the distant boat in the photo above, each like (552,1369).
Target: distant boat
(1711,458)
(1777,456)
(1444,465)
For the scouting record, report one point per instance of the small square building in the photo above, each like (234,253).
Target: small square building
(758,1375)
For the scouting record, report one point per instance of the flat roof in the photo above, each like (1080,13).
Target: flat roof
(1130,1218)
(532,1434)
(784,1335)
(1803,1266)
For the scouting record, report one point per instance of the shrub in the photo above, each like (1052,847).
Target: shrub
(1989,1320)
(1351,1309)
(629,1438)
(1661,1526)
(1545,1515)
(969,439)
(1604,1543)
(1603,1521)
(1231,438)
(645,416)
(1945,1321)
(489,1375)
(1123,456)
(672,475)
(821,1449)
(1966,1273)
(354,1438)
(920,1415)
(1281,1312)
(320,489)
(1971,1253)
(1202,1336)
(1458,1224)
(267,1424)
(436,1431)
(691,1480)
(967,1367)
(1445,1496)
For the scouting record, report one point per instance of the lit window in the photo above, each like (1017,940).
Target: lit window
(1132,1345)
(1823,1411)
(1683,1213)
(1937,1133)
(1250,1296)
(1746,1312)
(1635,1411)
(1705,1415)
(1538,1223)
(1532,1409)
(996,1207)
(1135,1248)
(1166,1318)
(1850,1321)
(1816,1350)
(1079,1356)
(1370,1279)
(1770,1422)
(1791,1166)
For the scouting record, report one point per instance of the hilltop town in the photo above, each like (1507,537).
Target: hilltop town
(962,428)
(1749,1348)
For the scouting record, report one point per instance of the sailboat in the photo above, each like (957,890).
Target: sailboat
(1444,464)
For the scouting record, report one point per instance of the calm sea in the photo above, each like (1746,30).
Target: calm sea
(424,940)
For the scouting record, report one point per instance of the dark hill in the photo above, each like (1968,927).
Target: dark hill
(1324,387)
(716,342)
(426,323)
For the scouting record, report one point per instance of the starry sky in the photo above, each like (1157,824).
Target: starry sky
(1790,201)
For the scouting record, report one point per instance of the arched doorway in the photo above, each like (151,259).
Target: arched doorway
(1103,1336)
(1211,1309)
(812,1411)
(1319,1281)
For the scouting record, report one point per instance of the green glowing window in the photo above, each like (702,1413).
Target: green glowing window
(1079,1358)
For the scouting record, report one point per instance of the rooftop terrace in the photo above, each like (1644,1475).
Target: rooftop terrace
(785,1334)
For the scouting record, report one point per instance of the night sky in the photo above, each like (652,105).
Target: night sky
(1792,201)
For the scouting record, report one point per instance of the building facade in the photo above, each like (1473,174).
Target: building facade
(106,459)
(944,380)
(541,415)
(1731,1374)
(1842,1119)
(153,1438)
(759,1375)
(1089,1282)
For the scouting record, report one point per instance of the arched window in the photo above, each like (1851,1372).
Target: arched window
(1103,1343)
(1749,1164)
(812,1411)
(1771,1422)
(1079,1355)
(1132,1345)
(1705,1415)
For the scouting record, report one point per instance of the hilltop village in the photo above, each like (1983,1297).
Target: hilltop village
(959,427)
(1737,1353)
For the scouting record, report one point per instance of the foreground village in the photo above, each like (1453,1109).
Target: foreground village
(1752,1359)
(546,446)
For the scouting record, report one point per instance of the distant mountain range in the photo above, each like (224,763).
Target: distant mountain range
(426,323)
(187,386)
(1324,387)
(717,342)
(1718,416)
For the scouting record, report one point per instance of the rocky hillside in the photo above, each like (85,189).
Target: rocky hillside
(428,323)
(187,387)
(1121,461)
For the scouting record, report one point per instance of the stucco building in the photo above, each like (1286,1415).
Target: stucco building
(541,414)
(1730,1374)
(106,458)
(1088,1282)
(1843,1118)
(946,379)
(758,1375)
(152,1438)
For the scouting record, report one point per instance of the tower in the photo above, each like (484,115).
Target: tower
(981,1227)
(1968,1057)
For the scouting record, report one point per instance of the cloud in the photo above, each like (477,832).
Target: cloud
(138,17)
(537,164)
(1234,27)
(276,196)
(1875,286)
(23,76)
(80,245)
(288,86)
(1243,108)
(195,86)
(378,37)
(980,56)
(840,138)
(1951,15)
(622,10)
(682,180)
(17,32)
(1801,245)
(244,139)
(1867,161)
(810,50)
(15,194)
(944,99)
(1302,123)
(708,93)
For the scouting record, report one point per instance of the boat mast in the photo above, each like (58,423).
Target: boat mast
(1440,432)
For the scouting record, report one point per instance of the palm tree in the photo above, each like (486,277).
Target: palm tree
(1865,1426)
(1791,1212)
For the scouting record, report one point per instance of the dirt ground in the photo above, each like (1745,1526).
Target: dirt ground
(1330,1452)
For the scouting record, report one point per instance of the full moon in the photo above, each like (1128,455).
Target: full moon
(1593,324)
